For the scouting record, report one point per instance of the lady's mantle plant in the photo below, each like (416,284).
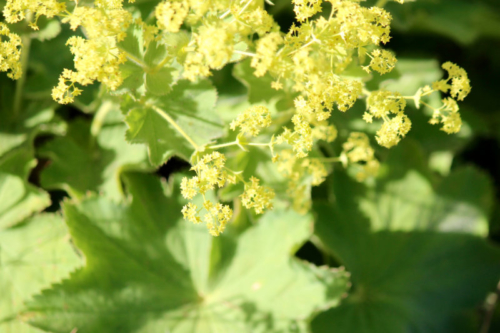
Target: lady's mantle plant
(147,71)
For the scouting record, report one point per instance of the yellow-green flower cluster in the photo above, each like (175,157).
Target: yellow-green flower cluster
(358,153)
(210,172)
(171,15)
(382,61)
(10,52)
(15,10)
(448,115)
(257,197)
(302,174)
(389,107)
(97,57)
(458,86)
(217,26)
(310,57)
(252,120)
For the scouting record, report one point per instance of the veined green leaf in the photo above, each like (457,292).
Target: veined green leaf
(147,270)
(414,248)
(32,256)
(158,123)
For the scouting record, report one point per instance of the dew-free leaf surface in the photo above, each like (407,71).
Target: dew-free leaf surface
(82,161)
(190,106)
(32,256)
(414,249)
(147,270)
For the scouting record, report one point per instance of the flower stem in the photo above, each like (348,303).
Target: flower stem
(172,122)
(25,54)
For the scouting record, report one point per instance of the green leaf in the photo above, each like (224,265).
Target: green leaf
(147,270)
(259,88)
(19,129)
(158,83)
(18,199)
(82,162)
(190,106)
(145,69)
(413,250)
(407,198)
(462,20)
(32,256)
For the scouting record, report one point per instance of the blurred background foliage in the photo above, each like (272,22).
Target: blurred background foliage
(421,186)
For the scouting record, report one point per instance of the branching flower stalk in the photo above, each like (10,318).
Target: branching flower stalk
(309,62)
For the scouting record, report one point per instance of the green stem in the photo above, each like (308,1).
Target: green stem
(430,107)
(381,3)
(329,159)
(98,120)
(25,54)
(135,60)
(172,122)
(233,143)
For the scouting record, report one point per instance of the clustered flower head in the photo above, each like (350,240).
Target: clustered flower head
(302,174)
(252,120)
(310,57)
(211,173)
(15,10)
(257,197)
(389,107)
(358,153)
(10,52)
(97,57)
(382,61)
(448,115)
(458,86)
(309,63)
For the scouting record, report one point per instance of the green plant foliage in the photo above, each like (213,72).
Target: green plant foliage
(148,270)
(83,161)
(249,166)
(462,20)
(415,253)
(33,255)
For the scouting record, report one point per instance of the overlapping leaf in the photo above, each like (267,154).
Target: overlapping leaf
(147,270)
(83,161)
(412,247)
(32,256)
(21,123)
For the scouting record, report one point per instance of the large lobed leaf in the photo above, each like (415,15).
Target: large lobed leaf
(32,256)
(147,270)
(413,248)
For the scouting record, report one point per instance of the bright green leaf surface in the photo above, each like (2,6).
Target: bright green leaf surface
(149,271)
(407,199)
(412,250)
(81,162)
(144,71)
(18,198)
(32,256)
(190,106)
